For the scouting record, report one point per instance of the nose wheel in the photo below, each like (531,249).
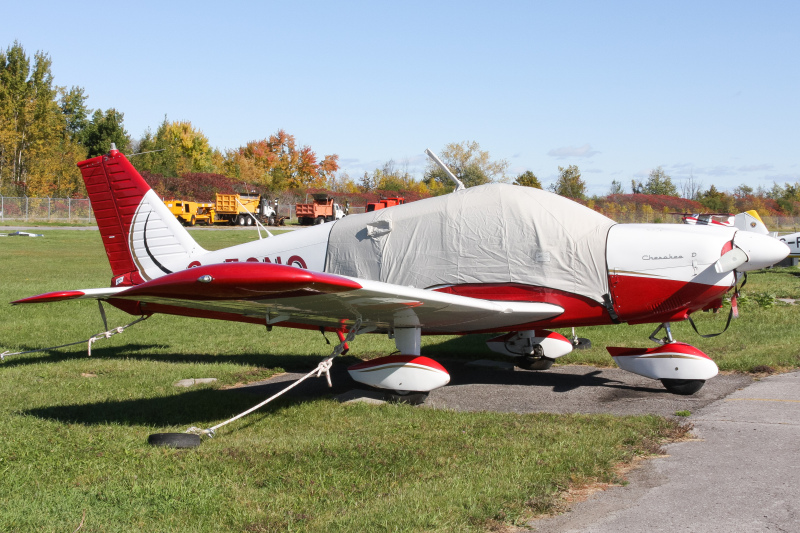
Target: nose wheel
(404,396)
(683,387)
(533,363)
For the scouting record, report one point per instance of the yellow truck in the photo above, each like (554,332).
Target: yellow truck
(191,213)
(234,209)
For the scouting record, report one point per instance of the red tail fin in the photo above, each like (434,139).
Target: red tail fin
(115,189)
(119,195)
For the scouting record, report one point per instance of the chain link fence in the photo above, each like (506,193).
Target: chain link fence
(46,209)
(80,210)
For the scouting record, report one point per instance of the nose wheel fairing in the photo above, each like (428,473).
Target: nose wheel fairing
(401,373)
(680,367)
(406,373)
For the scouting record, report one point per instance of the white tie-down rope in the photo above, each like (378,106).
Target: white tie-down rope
(322,368)
(104,335)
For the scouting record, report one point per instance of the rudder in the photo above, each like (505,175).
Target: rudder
(142,238)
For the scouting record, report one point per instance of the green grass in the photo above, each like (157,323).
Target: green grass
(74,430)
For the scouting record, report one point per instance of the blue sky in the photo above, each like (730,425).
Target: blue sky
(703,89)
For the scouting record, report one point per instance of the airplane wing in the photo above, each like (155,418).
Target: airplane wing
(286,295)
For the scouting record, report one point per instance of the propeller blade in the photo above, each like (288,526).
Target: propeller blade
(731,260)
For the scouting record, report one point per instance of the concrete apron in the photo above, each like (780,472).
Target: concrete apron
(741,474)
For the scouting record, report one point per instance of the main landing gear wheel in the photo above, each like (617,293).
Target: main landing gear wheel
(405,396)
(174,440)
(539,363)
(684,387)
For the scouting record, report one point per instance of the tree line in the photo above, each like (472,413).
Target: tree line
(46,129)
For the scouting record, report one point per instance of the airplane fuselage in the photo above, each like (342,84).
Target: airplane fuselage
(656,272)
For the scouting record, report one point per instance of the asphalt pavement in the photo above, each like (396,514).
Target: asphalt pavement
(497,386)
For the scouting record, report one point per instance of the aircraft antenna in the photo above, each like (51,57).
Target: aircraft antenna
(148,152)
(459,185)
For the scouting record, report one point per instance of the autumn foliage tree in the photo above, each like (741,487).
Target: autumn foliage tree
(277,163)
(658,182)
(176,148)
(528,179)
(104,129)
(569,183)
(469,163)
(37,152)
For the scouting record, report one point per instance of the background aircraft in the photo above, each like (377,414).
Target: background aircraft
(792,240)
(747,221)
(495,258)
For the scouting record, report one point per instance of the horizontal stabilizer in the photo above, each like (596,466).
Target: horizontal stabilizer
(60,296)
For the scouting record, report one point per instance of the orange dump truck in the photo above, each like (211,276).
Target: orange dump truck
(322,209)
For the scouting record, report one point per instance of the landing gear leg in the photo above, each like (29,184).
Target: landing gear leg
(667,330)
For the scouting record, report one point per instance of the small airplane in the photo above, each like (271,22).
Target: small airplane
(497,258)
(746,221)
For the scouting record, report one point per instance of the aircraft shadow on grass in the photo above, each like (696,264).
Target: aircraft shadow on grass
(464,348)
(138,352)
(190,408)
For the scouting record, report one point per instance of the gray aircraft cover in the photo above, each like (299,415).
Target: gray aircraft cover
(493,233)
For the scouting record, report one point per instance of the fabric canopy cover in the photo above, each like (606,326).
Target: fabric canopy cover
(493,233)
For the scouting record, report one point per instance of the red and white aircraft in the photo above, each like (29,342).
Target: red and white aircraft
(495,258)
(748,221)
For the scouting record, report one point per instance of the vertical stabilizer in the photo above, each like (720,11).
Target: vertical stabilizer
(143,240)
